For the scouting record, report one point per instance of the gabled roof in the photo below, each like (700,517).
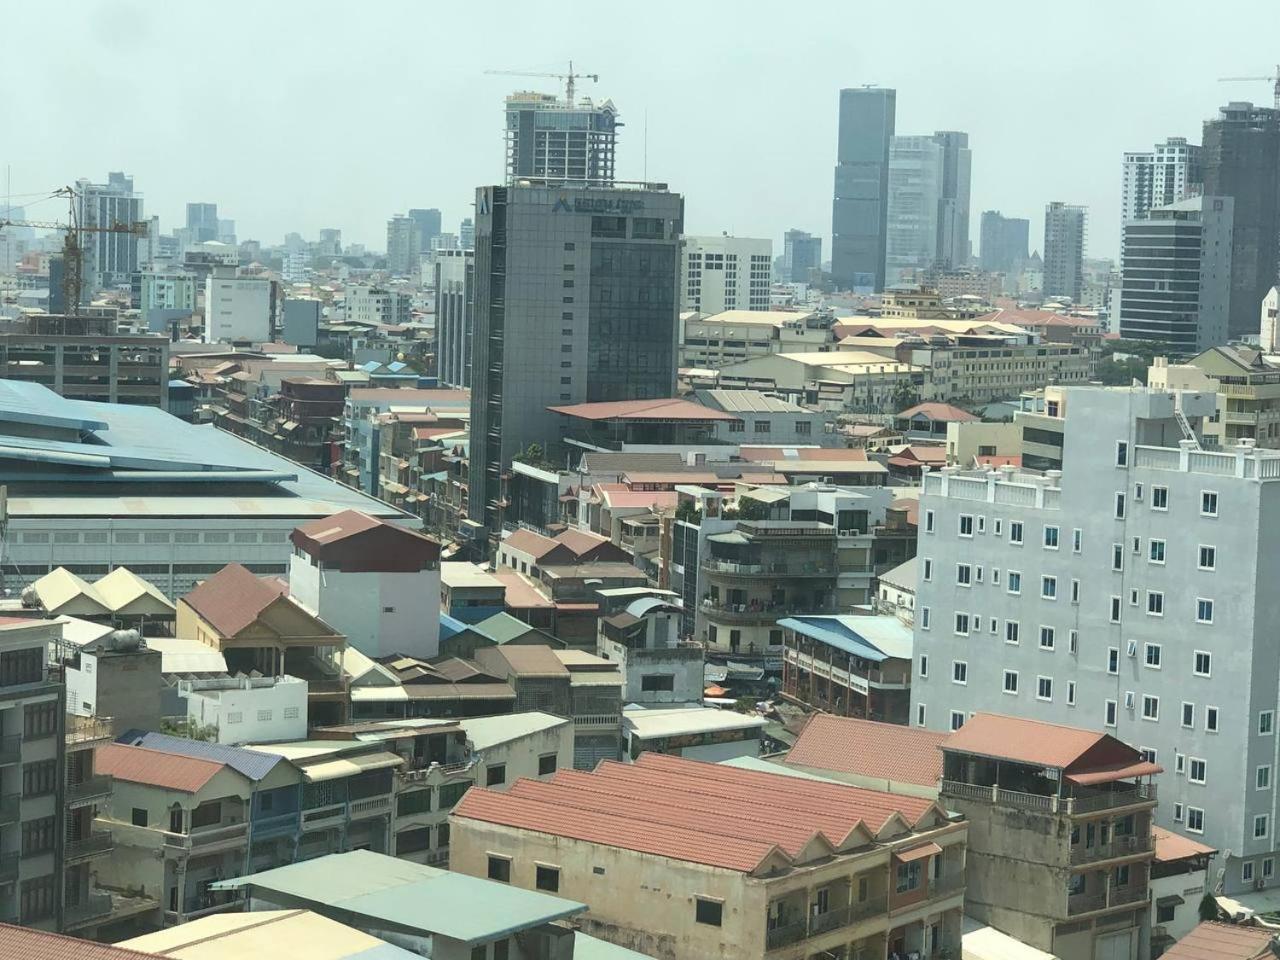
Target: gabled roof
(252,763)
(62,592)
(355,542)
(126,592)
(884,751)
(671,408)
(1223,941)
(938,411)
(24,943)
(156,768)
(706,813)
(233,598)
(1084,756)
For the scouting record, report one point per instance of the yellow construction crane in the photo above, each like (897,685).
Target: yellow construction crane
(72,247)
(569,78)
(1275,80)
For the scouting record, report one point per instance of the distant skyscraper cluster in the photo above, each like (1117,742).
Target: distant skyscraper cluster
(901,206)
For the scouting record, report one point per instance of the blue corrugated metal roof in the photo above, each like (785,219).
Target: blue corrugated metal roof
(251,763)
(872,638)
(450,626)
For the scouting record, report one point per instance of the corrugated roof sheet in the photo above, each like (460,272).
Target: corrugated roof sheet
(671,408)
(251,763)
(875,638)
(1174,846)
(23,943)
(1034,742)
(1222,941)
(697,812)
(884,751)
(155,768)
(938,411)
(233,598)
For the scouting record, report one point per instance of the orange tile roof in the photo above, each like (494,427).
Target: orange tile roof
(526,541)
(1042,744)
(232,598)
(670,408)
(938,411)
(1222,941)
(694,811)
(23,943)
(1174,846)
(156,768)
(338,526)
(912,506)
(884,751)
(521,593)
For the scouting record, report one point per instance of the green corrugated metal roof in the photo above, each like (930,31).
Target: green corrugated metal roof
(412,896)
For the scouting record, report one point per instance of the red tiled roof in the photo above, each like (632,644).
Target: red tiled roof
(1071,749)
(580,541)
(938,411)
(23,943)
(232,598)
(640,498)
(998,461)
(1222,941)
(521,593)
(912,506)
(693,811)
(671,408)
(430,433)
(1174,846)
(526,541)
(884,751)
(155,768)
(339,526)
(825,454)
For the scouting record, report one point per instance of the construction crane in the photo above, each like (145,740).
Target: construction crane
(569,78)
(72,245)
(1275,80)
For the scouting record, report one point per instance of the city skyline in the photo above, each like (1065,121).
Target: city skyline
(281,190)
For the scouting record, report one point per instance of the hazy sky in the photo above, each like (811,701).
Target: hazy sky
(295,115)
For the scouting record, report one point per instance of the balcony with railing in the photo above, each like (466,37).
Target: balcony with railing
(94,906)
(84,732)
(97,787)
(10,750)
(276,825)
(788,922)
(10,809)
(204,839)
(98,842)
(1117,848)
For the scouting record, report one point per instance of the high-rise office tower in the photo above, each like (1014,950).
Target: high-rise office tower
(725,273)
(330,244)
(801,254)
(1004,242)
(551,139)
(427,223)
(110,259)
(914,204)
(1242,161)
(1064,236)
(202,222)
(402,245)
(1175,284)
(1171,172)
(467,234)
(455,312)
(576,300)
(860,209)
(953,204)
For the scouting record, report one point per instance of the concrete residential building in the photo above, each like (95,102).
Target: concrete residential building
(751,862)
(1179,881)
(725,273)
(694,733)
(732,335)
(769,419)
(1103,588)
(110,259)
(1064,245)
(236,307)
(541,340)
(1242,161)
(953,200)
(852,666)
(83,358)
(1172,172)
(1176,274)
(166,297)
(640,632)
(377,583)
(913,228)
(801,255)
(1060,847)
(455,315)
(366,304)
(860,209)
(1004,242)
(1247,383)
(402,245)
(557,140)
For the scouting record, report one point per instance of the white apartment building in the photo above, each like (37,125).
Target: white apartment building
(725,273)
(236,308)
(241,709)
(1131,592)
(1156,178)
(366,304)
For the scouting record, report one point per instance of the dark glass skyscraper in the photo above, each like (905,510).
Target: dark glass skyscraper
(859,210)
(576,300)
(1004,242)
(1241,156)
